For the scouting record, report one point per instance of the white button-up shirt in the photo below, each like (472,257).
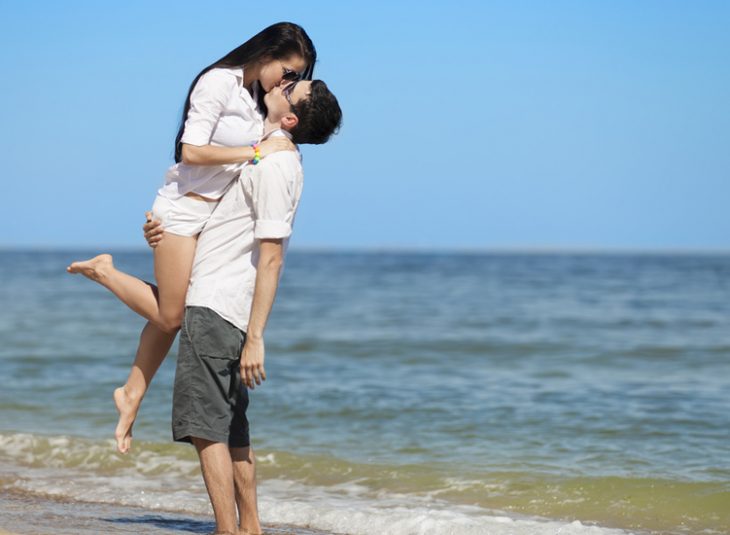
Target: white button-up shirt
(224,114)
(261,204)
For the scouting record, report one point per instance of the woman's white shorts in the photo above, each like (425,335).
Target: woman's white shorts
(184,216)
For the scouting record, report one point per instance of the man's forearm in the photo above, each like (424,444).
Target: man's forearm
(267,282)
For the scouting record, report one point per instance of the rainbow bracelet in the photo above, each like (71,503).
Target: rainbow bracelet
(256,154)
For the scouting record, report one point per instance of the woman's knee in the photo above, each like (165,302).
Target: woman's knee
(170,323)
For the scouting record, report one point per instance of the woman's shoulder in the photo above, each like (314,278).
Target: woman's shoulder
(219,79)
(223,74)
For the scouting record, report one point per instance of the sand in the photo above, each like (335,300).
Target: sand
(25,514)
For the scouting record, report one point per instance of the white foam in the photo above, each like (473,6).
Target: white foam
(391,514)
(163,481)
(340,510)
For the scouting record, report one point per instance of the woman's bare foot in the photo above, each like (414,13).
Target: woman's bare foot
(96,268)
(127,407)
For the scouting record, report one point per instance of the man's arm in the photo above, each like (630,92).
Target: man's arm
(269,265)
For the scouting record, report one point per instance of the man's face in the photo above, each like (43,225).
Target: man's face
(280,99)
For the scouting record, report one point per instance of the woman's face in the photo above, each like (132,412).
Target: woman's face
(273,71)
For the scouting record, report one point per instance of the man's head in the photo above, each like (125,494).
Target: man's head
(306,109)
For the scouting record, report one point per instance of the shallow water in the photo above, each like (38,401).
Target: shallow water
(426,391)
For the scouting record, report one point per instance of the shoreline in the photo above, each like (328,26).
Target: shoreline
(30,514)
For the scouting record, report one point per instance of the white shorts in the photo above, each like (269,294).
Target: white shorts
(184,216)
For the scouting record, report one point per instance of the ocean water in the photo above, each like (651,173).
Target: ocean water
(408,393)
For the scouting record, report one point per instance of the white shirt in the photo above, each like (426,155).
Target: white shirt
(261,204)
(224,114)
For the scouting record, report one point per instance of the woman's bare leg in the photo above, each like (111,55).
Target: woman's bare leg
(137,294)
(154,345)
(163,306)
(173,263)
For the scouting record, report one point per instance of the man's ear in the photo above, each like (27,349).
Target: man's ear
(289,121)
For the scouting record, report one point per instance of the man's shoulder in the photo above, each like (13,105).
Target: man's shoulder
(286,164)
(285,157)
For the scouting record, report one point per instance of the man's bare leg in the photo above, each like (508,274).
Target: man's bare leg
(244,477)
(217,467)
(154,345)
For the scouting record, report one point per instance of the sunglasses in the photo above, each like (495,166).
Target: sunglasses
(287,93)
(291,76)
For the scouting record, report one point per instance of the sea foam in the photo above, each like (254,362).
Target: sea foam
(168,480)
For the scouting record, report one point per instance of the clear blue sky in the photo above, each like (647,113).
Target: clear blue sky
(466,124)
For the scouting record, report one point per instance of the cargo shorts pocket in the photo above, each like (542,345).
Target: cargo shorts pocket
(211,335)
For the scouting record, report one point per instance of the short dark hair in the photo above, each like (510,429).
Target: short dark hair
(319,116)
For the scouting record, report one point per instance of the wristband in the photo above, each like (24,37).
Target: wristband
(256,153)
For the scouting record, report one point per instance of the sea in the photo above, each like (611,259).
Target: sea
(408,392)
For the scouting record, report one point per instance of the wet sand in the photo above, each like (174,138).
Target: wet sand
(25,514)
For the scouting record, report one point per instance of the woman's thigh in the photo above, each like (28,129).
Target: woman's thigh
(173,264)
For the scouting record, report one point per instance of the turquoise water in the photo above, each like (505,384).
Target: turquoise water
(459,388)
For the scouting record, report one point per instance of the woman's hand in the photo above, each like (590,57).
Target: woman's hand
(275,144)
(153,231)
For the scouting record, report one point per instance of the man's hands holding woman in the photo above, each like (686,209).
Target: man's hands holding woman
(153,230)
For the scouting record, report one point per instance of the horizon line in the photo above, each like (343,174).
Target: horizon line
(413,249)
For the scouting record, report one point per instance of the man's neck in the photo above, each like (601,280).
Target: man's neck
(270,126)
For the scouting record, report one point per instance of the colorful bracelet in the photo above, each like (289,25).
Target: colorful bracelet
(256,153)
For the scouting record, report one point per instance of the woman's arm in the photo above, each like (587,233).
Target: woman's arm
(214,155)
(207,102)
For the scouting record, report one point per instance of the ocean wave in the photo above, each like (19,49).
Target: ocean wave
(332,494)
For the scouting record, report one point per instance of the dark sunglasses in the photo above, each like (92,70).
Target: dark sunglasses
(287,93)
(291,76)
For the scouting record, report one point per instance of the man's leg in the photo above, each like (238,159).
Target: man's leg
(244,477)
(217,467)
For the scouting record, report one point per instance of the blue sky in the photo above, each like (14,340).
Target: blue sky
(511,124)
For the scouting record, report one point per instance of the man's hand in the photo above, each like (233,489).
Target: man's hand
(252,362)
(153,231)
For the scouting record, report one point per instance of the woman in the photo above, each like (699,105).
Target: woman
(218,133)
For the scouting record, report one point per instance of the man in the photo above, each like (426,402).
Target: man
(235,275)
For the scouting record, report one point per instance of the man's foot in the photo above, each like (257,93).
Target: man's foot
(127,407)
(95,269)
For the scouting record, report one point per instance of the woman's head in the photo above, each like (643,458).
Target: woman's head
(271,72)
(275,51)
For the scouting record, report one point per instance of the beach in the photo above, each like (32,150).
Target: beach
(28,514)
(408,394)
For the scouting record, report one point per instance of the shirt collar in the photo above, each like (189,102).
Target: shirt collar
(277,132)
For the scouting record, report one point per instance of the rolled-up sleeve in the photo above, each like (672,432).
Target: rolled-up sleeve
(274,201)
(207,102)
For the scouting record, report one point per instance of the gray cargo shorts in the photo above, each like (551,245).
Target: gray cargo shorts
(209,400)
